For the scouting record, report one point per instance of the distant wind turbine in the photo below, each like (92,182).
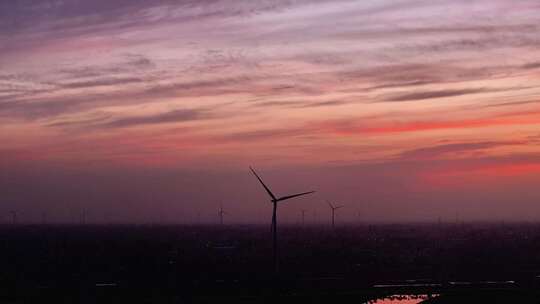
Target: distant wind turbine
(221,212)
(303,217)
(83,217)
(44,217)
(334,208)
(274,201)
(13,217)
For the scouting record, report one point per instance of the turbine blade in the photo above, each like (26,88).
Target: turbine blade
(294,195)
(262,183)
(339,207)
(330,204)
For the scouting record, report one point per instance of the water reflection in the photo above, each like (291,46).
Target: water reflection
(402,299)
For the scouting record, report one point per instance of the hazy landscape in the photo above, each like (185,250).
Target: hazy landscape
(267,151)
(233,263)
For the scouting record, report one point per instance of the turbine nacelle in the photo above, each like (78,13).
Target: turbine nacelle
(290,196)
(275,199)
(334,207)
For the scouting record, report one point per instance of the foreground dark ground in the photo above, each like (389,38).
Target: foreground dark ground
(482,263)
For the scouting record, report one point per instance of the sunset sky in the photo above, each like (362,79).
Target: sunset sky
(152,111)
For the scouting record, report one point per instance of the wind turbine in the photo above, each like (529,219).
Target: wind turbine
(334,208)
(83,217)
(221,213)
(13,217)
(274,201)
(303,217)
(43,217)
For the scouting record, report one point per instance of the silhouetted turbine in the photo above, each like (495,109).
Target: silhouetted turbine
(83,217)
(274,201)
(303,217)
(221,213)
(334,208)
(13,217)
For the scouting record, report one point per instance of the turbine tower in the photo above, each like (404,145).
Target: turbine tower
(220,214)
(13,217)
(303,217)
(334,208)
(83,217)
(43,217)
(274,201)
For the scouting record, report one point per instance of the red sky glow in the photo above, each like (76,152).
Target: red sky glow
(152,111)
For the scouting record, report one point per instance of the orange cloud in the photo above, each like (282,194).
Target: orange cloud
(350,128)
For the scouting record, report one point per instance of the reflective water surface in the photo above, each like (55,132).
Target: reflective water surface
(402,299)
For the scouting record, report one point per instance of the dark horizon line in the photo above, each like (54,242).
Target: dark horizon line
(287,224)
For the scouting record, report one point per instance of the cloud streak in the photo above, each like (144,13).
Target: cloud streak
(175,116)
(352,126)
(455,148)
(435,94)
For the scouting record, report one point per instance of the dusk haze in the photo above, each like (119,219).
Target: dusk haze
(145,111)
(149,148)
